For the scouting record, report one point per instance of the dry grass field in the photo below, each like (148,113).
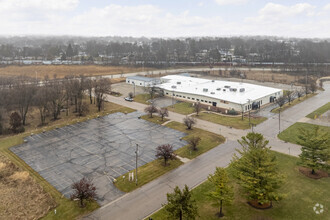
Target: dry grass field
(266,76)
(21,196)
(62,70)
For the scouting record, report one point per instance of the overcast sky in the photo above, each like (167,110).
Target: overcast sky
(167,18)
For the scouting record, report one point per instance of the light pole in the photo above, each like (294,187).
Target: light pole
(279,120)
(249,100)
(136,164)
(134,88)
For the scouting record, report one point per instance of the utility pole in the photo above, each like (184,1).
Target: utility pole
(134,88)
(136,164)
(249,112)
(279,120)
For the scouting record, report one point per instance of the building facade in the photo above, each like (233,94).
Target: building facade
(142,81)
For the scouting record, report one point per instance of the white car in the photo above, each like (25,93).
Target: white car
(129,99)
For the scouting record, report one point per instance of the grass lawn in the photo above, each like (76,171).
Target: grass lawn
(291,133)
(318,112)
(142,98)
(66,209)
(235,122)
(208,140)
(146,174)
(155,119)
(184,108)
(301,192)
(294,102)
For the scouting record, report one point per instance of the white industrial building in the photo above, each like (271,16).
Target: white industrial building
(222,94)
(142,81)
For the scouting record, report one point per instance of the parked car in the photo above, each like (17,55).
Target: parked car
(129,99)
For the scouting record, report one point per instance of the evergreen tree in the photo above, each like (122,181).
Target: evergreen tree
(223,193)
(315,148)
(257,170)
(180,204)
(69,51)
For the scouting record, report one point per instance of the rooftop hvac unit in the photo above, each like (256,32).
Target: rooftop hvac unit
(224,90)
(205,90)
(173,87)
(178,83)
(212,93)
(218,89)
(233,89)
(213,80)
(242,90)
(227,87)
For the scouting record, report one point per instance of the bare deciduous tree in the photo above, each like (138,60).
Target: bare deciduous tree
(280,101)
(151,109)
(197,107)
(57,98)
(83,190)
(163,112)
(193,142)
(165,151)
(22,97)
(189,122)
(102,87)
(313,87)
(289,96)
(89,86)
(41,101)
(299,94)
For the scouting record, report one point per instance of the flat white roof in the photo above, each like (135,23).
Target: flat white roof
(222,90)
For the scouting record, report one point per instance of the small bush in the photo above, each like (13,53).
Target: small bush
(232,112)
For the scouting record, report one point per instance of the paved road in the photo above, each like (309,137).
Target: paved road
(147,199)
(169,71)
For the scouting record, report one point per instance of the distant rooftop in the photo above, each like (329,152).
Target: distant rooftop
(235,92)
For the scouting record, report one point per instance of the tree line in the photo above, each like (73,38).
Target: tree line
(18,95)
(205,49)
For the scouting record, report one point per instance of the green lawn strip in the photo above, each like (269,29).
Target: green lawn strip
(318,112)
(235,122)
(301,193)
(142,98)
(294,102)
(146,174)
(291,133)
(184,108)
(154,119)
(208,141)
(66,209)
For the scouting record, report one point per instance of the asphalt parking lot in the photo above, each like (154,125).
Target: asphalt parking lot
(102,149)
(124,89)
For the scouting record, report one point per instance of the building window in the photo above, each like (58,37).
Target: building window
(128,81)
(210,102)
(202,100)
(188,97)
(193,98)
(184,96)
(140,84)
(197,99)
(167,93)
